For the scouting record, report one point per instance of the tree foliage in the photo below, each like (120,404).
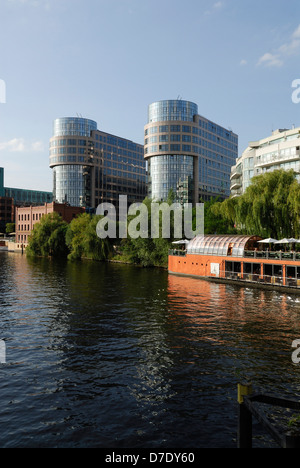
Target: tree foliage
(268,208)
(82,239)
(48,237)
(10,227)
(215,222)
(145,250)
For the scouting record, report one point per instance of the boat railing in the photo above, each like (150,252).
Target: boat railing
(275,255)
(264,279)
(177,253)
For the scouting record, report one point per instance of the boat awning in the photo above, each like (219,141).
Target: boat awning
(221,245)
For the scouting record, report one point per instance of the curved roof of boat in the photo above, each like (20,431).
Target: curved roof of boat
(219,244)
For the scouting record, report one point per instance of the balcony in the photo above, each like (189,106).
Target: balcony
(235,173)
(236,185)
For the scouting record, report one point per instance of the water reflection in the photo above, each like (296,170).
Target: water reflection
(107,355)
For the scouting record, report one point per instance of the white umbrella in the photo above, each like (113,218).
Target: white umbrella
(293,241)
(282,241)
(268,241)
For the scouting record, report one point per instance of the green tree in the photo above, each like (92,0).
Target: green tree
(145,250)
(82,239)
(214,221)
(294,207)
(48,237)
(263,209)
(10,227)
(268,208)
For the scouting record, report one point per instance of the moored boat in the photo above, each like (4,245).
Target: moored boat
(240,259)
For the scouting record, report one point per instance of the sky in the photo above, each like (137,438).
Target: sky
(107,60)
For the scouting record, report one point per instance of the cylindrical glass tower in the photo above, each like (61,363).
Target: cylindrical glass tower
(73,126)
(70,158)
(172,150)
(172,110)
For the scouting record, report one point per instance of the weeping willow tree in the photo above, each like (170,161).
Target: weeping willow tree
(226,210)
(269,207)
(294,206)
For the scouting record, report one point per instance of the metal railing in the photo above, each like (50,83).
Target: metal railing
(177,253)
(276,255)
(263,279)
(250,405)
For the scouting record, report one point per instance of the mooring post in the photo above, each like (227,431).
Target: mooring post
(244,436)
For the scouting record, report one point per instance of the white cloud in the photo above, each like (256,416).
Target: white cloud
(270,60)
(243,62)
(296,34)
(215,7)
(218,5)
(18,145)
(276,59)
(37,146)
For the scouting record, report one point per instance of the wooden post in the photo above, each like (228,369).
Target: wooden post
(244,438)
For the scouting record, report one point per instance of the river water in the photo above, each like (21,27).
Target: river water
(111,355)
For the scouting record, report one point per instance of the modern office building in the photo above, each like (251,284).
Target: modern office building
(187,153)
(91,167)
(2,191)
(281,150)
(7,212)
(24,197)
(13,197)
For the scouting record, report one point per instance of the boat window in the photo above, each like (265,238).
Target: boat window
(291,272)
(273,270)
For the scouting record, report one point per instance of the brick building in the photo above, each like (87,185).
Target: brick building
(27,217)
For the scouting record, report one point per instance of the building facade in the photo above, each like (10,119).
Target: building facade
(281,150)
(27,217)
(7,212)
(187,153)
(91,167)
(13,197)
(23,197)
(2,191)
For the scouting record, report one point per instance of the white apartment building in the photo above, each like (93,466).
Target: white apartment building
(281,150)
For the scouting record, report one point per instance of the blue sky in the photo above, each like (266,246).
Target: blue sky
(107,60)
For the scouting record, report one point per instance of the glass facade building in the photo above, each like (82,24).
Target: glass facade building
(187,153)
(2,192)
(91,167)
(73,126)
(28,197)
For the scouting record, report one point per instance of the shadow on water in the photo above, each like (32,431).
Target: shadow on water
(111,355)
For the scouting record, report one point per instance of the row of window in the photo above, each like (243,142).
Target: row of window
(220,137)
(172,137)
(26,217)
(173,147)
(110,140)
